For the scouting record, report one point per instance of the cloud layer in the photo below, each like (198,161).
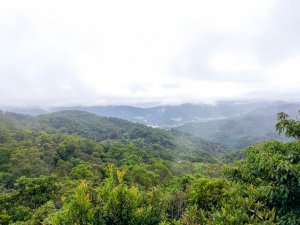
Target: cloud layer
(133,52)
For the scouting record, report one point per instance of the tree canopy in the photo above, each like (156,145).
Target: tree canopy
(54,176)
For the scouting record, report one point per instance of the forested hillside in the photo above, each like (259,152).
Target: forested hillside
(173,143)
(74,167)
(242,131)
(236,133)
(233,124)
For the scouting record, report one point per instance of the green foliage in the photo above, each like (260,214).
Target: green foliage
(33,192)
(78,210)
(27,198)
(140,175)
(117,202)
(40,215)
(237,132)
(206,193)
(290,127)
(82,171)
(4,219)
(112,203)
(27,162)
(244,206)
(177,204)
(233,155)
(20,213)
(274,168)
(60,173)
(232,204)
(165,144)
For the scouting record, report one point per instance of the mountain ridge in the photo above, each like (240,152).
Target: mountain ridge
(163,115)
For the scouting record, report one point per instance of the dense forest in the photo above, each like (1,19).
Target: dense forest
(75,167)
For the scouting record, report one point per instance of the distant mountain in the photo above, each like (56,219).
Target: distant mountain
(162,116)
(33,111)
(171,116)
(107,129)
(242,131)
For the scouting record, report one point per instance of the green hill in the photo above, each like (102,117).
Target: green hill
(88,125)
(242,131)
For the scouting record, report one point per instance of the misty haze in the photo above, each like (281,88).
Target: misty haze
(149,112)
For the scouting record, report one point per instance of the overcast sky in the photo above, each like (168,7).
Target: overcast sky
(94,52)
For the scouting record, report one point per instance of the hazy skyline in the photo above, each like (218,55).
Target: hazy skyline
(138,52)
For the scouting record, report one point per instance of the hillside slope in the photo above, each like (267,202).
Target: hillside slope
(173,143)
(242,131)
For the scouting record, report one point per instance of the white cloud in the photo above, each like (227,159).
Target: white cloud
(285,75)
(109,52)
(233,61)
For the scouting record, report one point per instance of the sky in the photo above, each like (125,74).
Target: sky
(135,52)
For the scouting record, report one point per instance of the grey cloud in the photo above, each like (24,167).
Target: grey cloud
(52,81)
(281,36)
(279,39)
(198,54)
(34,69)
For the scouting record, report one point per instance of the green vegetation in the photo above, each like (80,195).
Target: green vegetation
(77,168)
(165,144)
(238,132)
